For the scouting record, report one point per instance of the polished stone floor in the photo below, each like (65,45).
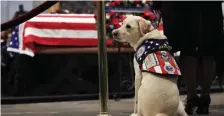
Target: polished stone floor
(91,108)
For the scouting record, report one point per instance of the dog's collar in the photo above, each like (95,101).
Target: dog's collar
(149,46)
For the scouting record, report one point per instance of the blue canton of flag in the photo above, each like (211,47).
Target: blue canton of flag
(14,41)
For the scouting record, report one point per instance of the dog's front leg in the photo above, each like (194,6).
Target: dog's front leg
(138,78)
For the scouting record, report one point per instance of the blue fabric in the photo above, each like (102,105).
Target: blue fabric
(149,46)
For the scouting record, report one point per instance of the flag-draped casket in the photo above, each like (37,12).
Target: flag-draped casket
(78,30)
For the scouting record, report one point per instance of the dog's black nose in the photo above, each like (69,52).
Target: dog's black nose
(115,33)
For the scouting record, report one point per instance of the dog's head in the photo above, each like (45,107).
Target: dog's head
(132,29)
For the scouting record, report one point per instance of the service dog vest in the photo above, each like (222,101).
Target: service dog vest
(154,56)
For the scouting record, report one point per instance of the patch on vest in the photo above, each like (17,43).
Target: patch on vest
(153,56)
(150,61)
(164,56)
(140,51)
(169,69)
(160,62)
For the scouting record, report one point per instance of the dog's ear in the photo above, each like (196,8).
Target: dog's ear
(144,26)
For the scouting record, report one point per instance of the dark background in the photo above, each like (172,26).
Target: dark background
(61,74)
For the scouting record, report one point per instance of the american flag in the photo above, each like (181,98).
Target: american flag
(153,56)
(77,30)
(14,42)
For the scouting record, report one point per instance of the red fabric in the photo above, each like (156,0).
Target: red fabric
(28,41)
(71,26)
(160,66)
(74,22)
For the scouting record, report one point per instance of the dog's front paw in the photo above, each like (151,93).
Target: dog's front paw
(134,114)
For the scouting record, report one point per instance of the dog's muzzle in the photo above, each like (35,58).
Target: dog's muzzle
(115,34)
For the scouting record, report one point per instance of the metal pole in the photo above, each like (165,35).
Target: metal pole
(102,59)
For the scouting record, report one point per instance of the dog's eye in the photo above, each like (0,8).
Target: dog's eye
(128,26)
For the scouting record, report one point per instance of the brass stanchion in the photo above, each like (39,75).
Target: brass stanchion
(102,59)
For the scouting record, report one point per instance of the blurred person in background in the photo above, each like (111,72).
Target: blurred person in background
(20,11)
(195,29)
(4,60)
(78,7)
(4,37)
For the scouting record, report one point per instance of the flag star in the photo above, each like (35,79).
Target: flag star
(151,42)
(148,47)
(16,38)
(140,58)
(13,33)
(145,52)
(107,16)
(146,41)
(10,43)
(157,44)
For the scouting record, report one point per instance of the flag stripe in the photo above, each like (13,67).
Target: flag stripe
(62,19)
(60,33)
(158,69)
(64,41)
(56,29)
(144,65)
(63,15)
(70,26)
(75,16)
(152,69)
(161,63)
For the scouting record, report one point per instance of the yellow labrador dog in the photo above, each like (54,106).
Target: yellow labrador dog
(156,91)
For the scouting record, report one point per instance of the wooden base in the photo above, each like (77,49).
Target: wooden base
(66,50)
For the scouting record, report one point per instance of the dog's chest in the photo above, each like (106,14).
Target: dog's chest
(154,56)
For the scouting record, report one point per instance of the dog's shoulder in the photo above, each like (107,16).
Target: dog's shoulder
(155,34)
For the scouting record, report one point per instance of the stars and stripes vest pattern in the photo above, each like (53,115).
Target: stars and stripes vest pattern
(153,56)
